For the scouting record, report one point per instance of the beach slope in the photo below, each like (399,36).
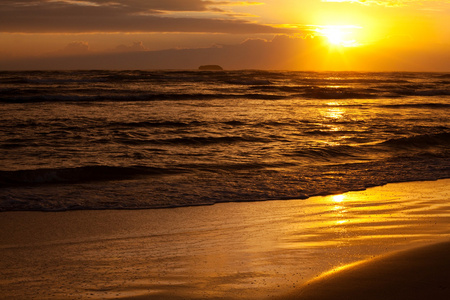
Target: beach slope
(420,273)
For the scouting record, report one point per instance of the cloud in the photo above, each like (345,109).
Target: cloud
(69,16)
(135,5)
(137,46)
(75,48)
(393,3)
(170,5)
(281,53)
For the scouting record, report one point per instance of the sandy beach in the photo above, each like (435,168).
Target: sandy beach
(296,249)
(418,273)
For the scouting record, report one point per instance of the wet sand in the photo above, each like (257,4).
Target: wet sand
(419,273)
(227,251)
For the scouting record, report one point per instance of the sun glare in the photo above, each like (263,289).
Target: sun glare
(338,198)
(339,35)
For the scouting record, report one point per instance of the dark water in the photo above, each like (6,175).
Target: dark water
(137,139)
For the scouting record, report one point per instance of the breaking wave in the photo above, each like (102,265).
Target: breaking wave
(78,174)
(151,139)
(420,141)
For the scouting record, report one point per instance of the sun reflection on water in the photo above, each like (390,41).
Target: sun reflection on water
(334,113)
(338,198)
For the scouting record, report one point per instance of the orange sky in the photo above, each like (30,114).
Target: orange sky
(372,35)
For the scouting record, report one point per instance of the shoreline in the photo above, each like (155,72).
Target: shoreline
(235,250)
(222,202)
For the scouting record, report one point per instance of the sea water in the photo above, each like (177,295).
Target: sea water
(155,139)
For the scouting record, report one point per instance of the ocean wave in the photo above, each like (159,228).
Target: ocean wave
(417,105)
(86,174)
(328,154)
(338,93)
(151,124)
(311,91)
(79,174)
(69,128)
(342,78)
(246,182)
(421,92)
(331,132)
(194,140)
(99,98)
(433,145)
(15,96)
(134,97)
(244,81)
(419,141)
(230,167)
(174,124)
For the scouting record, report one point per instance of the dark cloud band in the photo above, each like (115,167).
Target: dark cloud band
(67,16)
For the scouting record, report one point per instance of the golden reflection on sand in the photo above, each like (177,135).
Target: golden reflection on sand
(366,217)
(229,251)
(338,198)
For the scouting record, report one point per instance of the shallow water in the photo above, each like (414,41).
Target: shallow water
(150,139)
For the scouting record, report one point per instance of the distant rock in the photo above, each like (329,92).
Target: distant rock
(210,68)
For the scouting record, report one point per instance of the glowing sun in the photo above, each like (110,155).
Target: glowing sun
(339,35)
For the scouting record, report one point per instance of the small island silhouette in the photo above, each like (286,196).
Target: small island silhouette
(210,68)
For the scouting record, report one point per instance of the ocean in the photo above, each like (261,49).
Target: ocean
(72,140)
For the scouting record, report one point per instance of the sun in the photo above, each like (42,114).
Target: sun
(338,35)
(335,35)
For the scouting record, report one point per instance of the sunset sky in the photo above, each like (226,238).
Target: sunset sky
(403,35)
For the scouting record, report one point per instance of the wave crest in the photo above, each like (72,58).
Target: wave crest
(420,141)
(78,174)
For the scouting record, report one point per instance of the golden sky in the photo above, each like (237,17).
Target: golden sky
(288,34)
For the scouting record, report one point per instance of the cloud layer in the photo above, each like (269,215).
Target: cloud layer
(68,16)
(393,3)
(281,53)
